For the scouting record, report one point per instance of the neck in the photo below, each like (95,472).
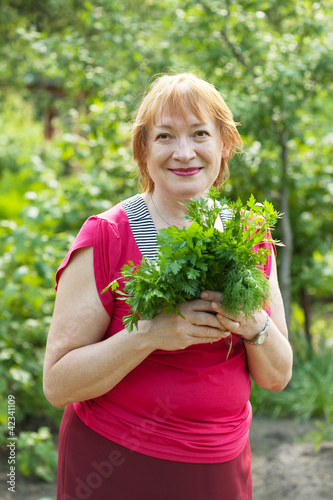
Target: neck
(164,211)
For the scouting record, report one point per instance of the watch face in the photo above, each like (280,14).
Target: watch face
(259,338)
(262,338)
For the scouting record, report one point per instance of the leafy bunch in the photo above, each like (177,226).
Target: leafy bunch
(201,257)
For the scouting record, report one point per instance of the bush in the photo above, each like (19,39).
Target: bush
(37,457)
(31,248)
(310,391)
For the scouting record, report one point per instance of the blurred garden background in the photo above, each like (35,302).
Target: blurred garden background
(71,75)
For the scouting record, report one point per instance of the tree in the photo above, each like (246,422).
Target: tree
(273,62)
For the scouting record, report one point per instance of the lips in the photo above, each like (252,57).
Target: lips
(185,172)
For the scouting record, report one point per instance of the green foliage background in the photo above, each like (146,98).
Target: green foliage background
(71,74)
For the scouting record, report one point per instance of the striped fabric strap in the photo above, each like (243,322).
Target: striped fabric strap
(143,228)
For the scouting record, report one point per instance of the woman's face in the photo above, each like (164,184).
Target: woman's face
(183,155)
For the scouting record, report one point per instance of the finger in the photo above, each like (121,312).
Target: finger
(228,323)
(203,318)
(207,340)
(208,333)
(212,296)
(216,307)
(195,305)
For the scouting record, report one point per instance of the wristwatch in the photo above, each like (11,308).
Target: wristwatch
(261,336)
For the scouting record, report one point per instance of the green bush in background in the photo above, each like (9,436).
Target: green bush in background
(309,394)
(31,249)
(37,456)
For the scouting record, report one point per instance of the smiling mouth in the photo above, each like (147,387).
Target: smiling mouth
(186,172)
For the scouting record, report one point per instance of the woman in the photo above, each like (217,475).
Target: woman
(162,412)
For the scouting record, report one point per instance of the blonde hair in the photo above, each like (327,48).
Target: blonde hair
(180,94)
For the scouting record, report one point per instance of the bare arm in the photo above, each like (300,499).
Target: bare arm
(80,365)
(271,367)
(270,364)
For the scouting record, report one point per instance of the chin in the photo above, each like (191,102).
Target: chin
(186,192)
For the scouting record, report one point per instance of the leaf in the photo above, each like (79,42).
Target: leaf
(251,202)
(113,285)
(193,274)
(175,267)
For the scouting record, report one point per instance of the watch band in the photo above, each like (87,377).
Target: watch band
(261,336)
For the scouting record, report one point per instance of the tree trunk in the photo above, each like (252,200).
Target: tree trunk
(49,114)
(287,235)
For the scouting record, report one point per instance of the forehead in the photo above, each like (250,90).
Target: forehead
(165,116)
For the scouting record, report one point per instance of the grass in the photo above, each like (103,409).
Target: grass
(310,391)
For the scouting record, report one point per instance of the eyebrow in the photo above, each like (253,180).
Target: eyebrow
(192,125)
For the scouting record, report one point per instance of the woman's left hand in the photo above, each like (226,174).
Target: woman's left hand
(270,364)
(246,327)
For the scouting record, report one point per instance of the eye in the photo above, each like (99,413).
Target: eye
(163,137)
(201,133)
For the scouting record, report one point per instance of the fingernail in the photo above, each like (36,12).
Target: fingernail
(204,295)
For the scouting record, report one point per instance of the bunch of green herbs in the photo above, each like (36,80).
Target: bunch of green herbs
(201,257)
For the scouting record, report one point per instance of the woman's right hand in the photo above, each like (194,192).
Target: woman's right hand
(171,332)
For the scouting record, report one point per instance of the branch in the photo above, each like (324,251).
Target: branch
(236,53)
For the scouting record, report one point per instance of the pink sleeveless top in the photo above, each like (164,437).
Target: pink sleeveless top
(188,405)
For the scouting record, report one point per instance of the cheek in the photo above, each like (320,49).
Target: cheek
(157,156)
(213,153)
(217,159)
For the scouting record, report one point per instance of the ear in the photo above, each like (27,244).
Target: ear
(226,152)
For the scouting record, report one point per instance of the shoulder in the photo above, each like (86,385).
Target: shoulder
(99,235)
(131,209)
(109,222)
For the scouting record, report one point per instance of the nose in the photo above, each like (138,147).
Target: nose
(184,151)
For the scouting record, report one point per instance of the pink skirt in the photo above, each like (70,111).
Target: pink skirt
(93,468)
